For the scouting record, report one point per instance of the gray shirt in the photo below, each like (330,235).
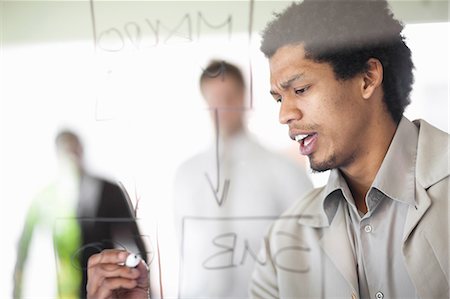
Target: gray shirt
(377,235)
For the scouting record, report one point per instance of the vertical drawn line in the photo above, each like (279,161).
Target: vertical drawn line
(250,32)
(159,264)
(180,271)
(215,189)
(250,20)
(216,122)
(94,27)
(94,36)
(138,199)
(199,17)
(250,69)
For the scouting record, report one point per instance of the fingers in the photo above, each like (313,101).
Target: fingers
(111,256)
(143,280)
(106,290)
(106,274)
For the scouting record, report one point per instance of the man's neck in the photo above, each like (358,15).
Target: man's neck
(232,134)
(362,172)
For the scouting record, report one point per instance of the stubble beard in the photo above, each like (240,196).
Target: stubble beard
(330,163)
(322,166)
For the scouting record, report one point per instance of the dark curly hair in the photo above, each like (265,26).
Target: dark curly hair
(346,34)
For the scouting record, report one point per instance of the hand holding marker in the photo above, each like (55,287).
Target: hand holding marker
(132,260)
(115,273)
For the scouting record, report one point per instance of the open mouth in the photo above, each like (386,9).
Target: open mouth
(304,139)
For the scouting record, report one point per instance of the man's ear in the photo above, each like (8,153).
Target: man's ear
(372,77)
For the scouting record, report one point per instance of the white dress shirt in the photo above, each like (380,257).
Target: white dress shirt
(221,236)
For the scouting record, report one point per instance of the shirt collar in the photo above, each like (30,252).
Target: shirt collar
(335,190)
(395,178)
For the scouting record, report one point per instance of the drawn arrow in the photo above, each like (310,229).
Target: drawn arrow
(220,199)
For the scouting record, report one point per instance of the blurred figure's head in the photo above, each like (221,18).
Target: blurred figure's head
(69,148)
(222,85)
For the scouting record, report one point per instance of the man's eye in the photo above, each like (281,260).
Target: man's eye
(278,100)
(301,91)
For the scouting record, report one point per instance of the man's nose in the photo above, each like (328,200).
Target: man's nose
(289,111)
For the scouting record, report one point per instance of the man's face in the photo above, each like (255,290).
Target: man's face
(328,117)
(70,155)
(224,95)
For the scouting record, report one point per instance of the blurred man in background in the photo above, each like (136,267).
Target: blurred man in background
(230,185)
(83,214)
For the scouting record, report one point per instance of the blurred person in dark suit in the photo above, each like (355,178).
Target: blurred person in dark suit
(84,214)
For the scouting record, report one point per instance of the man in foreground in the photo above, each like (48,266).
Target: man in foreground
(342,74)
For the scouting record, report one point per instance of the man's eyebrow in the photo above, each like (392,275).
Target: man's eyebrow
(289,81)
(274,93)
(284,85)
